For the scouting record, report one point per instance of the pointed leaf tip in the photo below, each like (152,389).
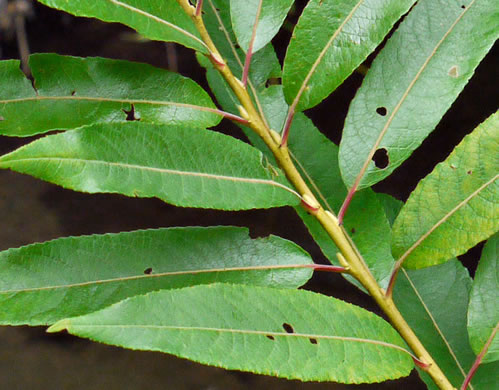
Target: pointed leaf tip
(59,326)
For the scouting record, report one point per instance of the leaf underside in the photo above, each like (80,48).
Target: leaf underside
(182,166)
(243,15)
(330,41)
(72,92)
(256,329)
(483,313)
(44,283)
(434,302)
(161,20)
(454,207)
(412,83)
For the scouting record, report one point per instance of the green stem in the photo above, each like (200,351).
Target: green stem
(349,256)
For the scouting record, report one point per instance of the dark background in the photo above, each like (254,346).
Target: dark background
(34,211)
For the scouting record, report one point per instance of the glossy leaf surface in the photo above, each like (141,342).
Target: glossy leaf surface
(72,92)
(271,15)
(254,329)
(483,313)
(182,166)
(434,302)
(454,207)
(412,83)
(161,20)
(43,283)
(332,38)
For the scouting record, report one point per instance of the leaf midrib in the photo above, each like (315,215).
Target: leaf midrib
(155,275)
(321,55)
(112,100)
(159,20)
(241,331)
(435,325)
(442,220)
(156,170)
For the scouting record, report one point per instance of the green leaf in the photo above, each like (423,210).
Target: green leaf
(72,92)
(293,334)
(434,303)
(271,15)
(412,82)
(264,63)
(391,205)
(161,20)
(454,207)
(182,166)
(365,222)
(43,283)
(330,41)
(483,313)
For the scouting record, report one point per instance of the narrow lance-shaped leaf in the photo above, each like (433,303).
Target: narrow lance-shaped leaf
(72,92)
(293,334)
(483,313)
(330,41)
(182,166)
(411,84)
(434,302)
(162,20)
(269,16)
(43,283)
(454,207)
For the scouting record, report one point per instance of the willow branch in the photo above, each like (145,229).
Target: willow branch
(349,256)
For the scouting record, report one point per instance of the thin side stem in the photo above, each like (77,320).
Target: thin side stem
(346,203)
(199,7)
(287,125)
(479,359)
(249,53)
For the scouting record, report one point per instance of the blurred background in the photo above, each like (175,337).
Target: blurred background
(35,211)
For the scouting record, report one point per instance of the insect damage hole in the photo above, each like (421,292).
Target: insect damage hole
(381,111)
(148,271)
(313,341)
(130,115)
(288,328)
(270,337)
(381,159)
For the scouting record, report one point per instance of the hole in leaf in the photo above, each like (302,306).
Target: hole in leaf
(353,230)
(288,328)
(453,166)
(273,81)
(381,111)
(148,271)
(469,172)
(313,341)
(463,7)
(130,115)
(270,337)
(73,92)
(237,46)
(381,159)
